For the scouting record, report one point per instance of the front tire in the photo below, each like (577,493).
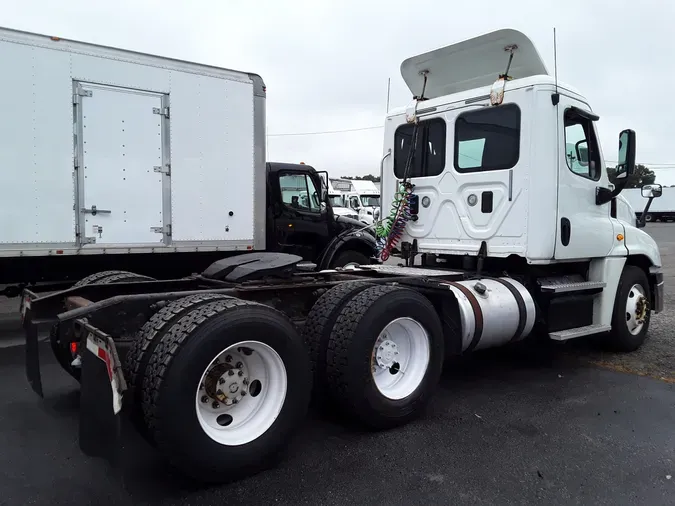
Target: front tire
(206,361)
(632,311)
(350,258)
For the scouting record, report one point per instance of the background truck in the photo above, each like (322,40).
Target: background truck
(337,201)
(364,198)
(111,158)
(217,369)
(662,209)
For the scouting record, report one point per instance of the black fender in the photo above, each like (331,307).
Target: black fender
(359,240)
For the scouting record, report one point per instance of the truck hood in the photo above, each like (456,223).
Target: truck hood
(352,224)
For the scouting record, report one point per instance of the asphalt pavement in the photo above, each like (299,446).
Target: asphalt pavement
(519,426)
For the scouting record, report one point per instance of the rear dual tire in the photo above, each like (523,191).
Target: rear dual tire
(377,353)
(61,349)
(186,399)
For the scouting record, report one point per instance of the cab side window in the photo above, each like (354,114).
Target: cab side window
(354,202)
(298,192)
(581,148)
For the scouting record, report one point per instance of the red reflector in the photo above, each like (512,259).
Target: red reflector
(249,247)
(73,348)
(59,252)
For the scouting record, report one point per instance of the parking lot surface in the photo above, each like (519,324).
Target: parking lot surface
(557,425)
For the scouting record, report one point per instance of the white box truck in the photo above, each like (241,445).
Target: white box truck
(515,239)
(113,159)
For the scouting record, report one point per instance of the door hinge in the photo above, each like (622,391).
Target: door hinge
(164,111)
(83,240)
(79,92)
(166,169)
(166,229)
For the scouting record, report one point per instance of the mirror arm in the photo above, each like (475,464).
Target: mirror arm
(619,186)
(641,222)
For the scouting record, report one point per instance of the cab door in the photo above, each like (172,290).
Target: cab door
(300,221)
(584,228)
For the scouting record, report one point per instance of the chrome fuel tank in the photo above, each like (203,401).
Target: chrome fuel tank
(492,311)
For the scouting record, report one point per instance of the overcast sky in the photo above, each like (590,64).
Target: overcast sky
(326,62)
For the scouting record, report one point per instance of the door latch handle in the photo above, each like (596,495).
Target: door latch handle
(93,211)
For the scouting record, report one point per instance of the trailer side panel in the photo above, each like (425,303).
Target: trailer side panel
(198,188)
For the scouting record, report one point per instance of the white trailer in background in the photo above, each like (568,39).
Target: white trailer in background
(662,209)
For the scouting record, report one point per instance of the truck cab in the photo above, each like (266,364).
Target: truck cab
(364,198)
(301,220)
(500,165)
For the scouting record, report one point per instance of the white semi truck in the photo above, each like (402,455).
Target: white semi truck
(364,198)
(516,241)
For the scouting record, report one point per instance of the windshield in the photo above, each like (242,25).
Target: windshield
(370,200)
(336,201)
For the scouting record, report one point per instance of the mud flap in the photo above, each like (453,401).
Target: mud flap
(32,352)
(101,393)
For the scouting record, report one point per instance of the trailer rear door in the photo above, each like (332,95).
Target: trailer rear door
(121,169)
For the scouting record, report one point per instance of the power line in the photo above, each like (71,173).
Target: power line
(322,132)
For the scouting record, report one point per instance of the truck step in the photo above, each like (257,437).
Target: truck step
(587,330)
(580,286)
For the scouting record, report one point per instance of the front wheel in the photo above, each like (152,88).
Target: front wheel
(632,310)
(350,258)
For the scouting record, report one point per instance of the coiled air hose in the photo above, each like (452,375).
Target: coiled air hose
(389,230)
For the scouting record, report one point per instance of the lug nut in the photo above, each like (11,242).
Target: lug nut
(240,373)
(381,347)
(234,401)
(245,381)
(201,387)
(219,392)
(239,365)
(228,358)
(243,393)
(230,372)
(205,399)
(228,402)
(221,381)
(215,405)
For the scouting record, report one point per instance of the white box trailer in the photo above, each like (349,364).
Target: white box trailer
(111,152)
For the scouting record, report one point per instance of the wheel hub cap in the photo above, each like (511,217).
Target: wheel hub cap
(386,353)
(637,309)
(226,384)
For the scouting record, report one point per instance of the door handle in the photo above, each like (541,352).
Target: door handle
(93,211)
